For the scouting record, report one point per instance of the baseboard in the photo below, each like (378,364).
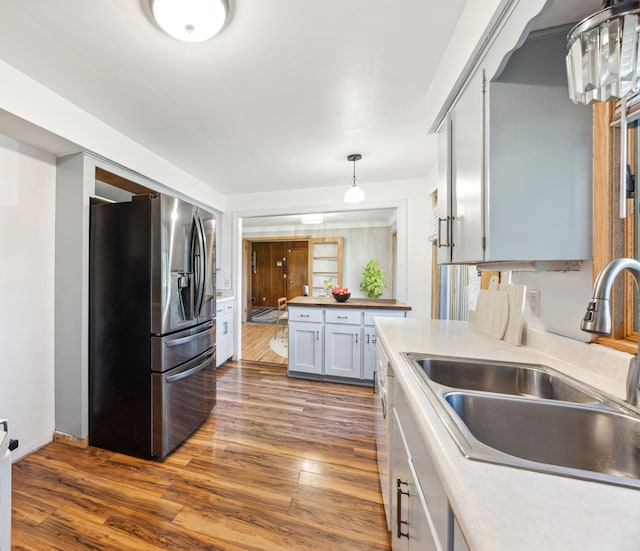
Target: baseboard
(70,440)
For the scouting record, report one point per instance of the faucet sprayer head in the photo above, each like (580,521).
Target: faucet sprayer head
(597,318)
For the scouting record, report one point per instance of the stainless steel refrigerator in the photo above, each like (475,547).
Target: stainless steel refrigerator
(152,378)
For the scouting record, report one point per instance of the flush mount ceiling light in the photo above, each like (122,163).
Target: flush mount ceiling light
(602,62)
(312,218)
(190,20)
(354,194)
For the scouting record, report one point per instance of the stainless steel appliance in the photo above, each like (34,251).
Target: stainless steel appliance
(152,378)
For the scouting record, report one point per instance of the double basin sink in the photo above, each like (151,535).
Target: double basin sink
(533,417)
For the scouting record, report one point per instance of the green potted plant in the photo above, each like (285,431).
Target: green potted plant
(373,282)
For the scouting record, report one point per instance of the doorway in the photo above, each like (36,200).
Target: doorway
(273,268)
(278,268)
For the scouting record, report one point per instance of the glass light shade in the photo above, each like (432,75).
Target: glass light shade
(311,219)
(602,62)
(190,20)
(354,194)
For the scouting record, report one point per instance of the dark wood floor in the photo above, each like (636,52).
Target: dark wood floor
(281,464)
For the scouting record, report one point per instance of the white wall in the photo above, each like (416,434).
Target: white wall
(223,251)
(27,230)
(563,300)
(360,246)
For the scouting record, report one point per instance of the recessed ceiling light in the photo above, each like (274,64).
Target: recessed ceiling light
(190,20)
(312,218)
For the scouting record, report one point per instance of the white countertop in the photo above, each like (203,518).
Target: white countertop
(504,508)
(225,296)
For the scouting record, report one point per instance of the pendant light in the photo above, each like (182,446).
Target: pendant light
(602,64)
(190,20)
(354,194)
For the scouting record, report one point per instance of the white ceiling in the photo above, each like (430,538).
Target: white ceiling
(276,101)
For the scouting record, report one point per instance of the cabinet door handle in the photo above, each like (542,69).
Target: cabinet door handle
(356,336)
(317,335)
(446,243)
(399,522)
(368,338)
(342,317)
(449,223)
(304,315)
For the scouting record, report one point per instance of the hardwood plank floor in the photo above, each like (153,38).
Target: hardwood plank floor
(280,464)
(255,344)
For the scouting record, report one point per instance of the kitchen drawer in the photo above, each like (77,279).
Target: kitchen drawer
(305,314)
(370,314)
(340,315)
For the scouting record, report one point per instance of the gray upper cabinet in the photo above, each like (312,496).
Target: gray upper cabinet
(515,162)
(462,152)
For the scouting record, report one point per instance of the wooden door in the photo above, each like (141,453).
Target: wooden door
(297,271)
(261,276)
(278,285)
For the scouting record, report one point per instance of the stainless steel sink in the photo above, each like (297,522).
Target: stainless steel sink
(571,439)
(500,377)
(532,417)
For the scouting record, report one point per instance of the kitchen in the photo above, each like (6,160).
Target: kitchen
(563,295)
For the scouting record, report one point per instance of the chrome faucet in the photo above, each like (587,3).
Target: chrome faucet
(597,319)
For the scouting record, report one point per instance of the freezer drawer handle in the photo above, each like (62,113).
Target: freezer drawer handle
(182,340)
(189,372)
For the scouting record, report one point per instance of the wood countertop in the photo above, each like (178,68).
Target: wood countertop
(360,303)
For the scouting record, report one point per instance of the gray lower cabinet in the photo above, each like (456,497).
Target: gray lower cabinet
(334,343)
(342,350)
(306,340)
(224,330)
(420,514)
(369,353)
(410,521)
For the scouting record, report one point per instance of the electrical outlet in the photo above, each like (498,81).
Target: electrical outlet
(534,303)
(226,283)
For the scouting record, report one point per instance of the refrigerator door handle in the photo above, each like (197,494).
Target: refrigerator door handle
(184,374)
(199,264)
